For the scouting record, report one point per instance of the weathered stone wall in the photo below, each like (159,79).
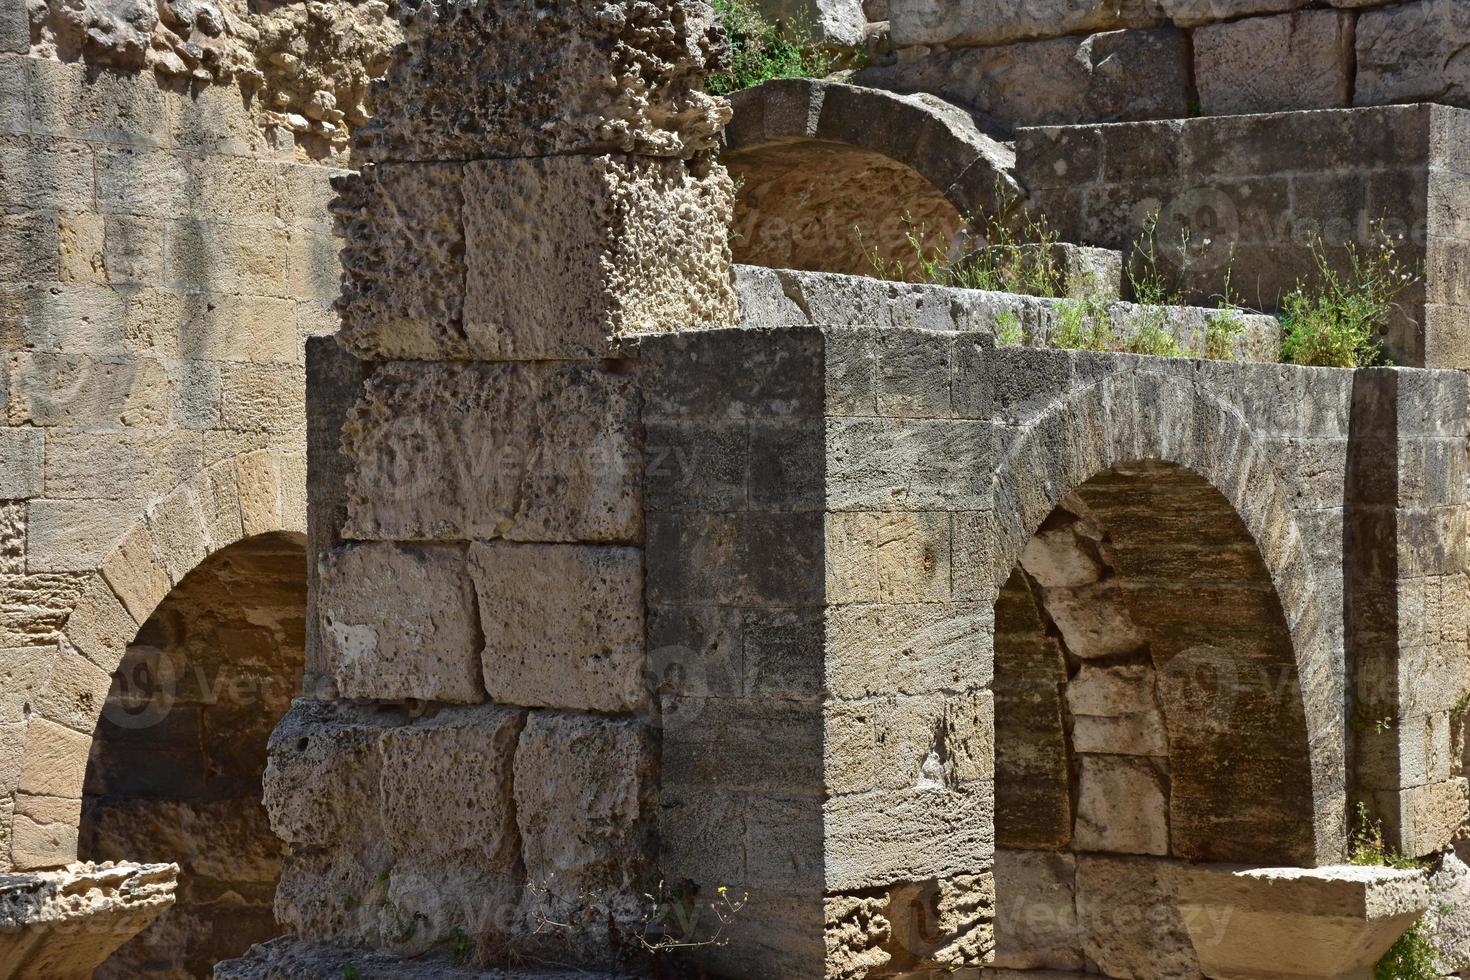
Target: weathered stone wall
(163,263)
(477,477)
(1249,196)
(1052,62)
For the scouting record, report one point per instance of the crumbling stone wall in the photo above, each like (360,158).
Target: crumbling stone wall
(462,770)
(1053,62)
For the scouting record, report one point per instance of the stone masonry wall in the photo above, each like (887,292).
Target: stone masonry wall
(163,260)
(1050,62)
(480,758)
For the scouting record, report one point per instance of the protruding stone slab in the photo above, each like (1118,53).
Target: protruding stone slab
(1332,922)
(61,925)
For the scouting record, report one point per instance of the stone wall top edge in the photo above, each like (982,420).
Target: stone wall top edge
(1257,118)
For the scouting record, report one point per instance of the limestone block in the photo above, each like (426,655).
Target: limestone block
(46,174)
(1412,52)
(906,649)
(1315,48)
(55,760)
(258,478)
(856,930)
(584,803)
(840,23)
(75,692)
(62,924)
(1448,917)
(978,23)
(75,535)
(563,625)
(136,573)
(13,538)
(21,470)
(1055,558)
(263,398)
(542,452)
(23,672)
(1036,911)
(80,392)
(1110,77)
(44,833)
(894,743)
(582,78)
(403,260)
(563,252)
(892,558)
(1129,920)
(1122,806)
(1298,922)
(1421,820)
(928,831)
(33,247)
(1193,13)
(1094,620)
(119,465)
(446,788)
(103,106)
(399,621)
(33,607)
(321,784)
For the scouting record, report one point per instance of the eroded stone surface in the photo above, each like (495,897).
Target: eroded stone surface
(527,452)
(1234,79)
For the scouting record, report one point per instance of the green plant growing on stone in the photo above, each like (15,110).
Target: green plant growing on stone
(1083,324)
(1145,272)
(460,946)
(1008,332)
(1412,956)
(1153,336)
(673,918)
(351,972)
(1227,322)
(1337,319)
(761,50)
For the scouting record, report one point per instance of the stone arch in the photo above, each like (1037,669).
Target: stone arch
(1147,416)
(814,159)
(235,499)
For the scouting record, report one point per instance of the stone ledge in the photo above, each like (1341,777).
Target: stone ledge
(63,924)
(290,959)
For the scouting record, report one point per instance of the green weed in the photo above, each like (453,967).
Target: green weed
(761,50)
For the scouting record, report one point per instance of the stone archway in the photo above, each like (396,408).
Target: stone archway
(180,748)
(829,173)
(1148,716)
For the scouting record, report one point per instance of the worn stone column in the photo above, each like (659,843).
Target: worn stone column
(478,769)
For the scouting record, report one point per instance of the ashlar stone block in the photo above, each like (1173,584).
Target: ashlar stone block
(527,452)
(1311,70)
(563,625)
(400,621)
(562,253)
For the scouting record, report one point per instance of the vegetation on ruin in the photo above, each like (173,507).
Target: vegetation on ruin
(1336,319)
(761,50)
(1007,256)
(1412,956)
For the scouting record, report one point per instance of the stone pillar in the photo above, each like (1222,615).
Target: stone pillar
(1405,588)
(479,765)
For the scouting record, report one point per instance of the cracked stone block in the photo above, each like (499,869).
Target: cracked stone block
(1122,806)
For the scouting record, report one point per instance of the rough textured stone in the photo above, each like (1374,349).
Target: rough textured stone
(651,253)
(1129,920)
(1312,72)
(64,923)
(1413,52)
(975,22)
(625,78)
(464,451)
(563,625)
(584,799)
(1108,77)
(840,23)
(400,621)
(1122,806)
(1036,911)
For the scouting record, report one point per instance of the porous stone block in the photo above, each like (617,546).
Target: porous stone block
(840,23)
(917,834)
(1036,911)
(21,463)
(321,783)
(582,78)
(979,23)
(63,924)
(527,452)
(1410,52)
(400,621)
(562,253)
(1312,72)
(893,743)
(1194,13)
(584,803)
(1122,806)
(1129,919)
(563,625)
(1107,77)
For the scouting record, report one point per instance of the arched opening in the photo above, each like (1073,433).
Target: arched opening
(830,176)
(829,207)
(1148,714)
(180,748)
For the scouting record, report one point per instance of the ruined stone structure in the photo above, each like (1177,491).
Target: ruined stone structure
(599,573)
